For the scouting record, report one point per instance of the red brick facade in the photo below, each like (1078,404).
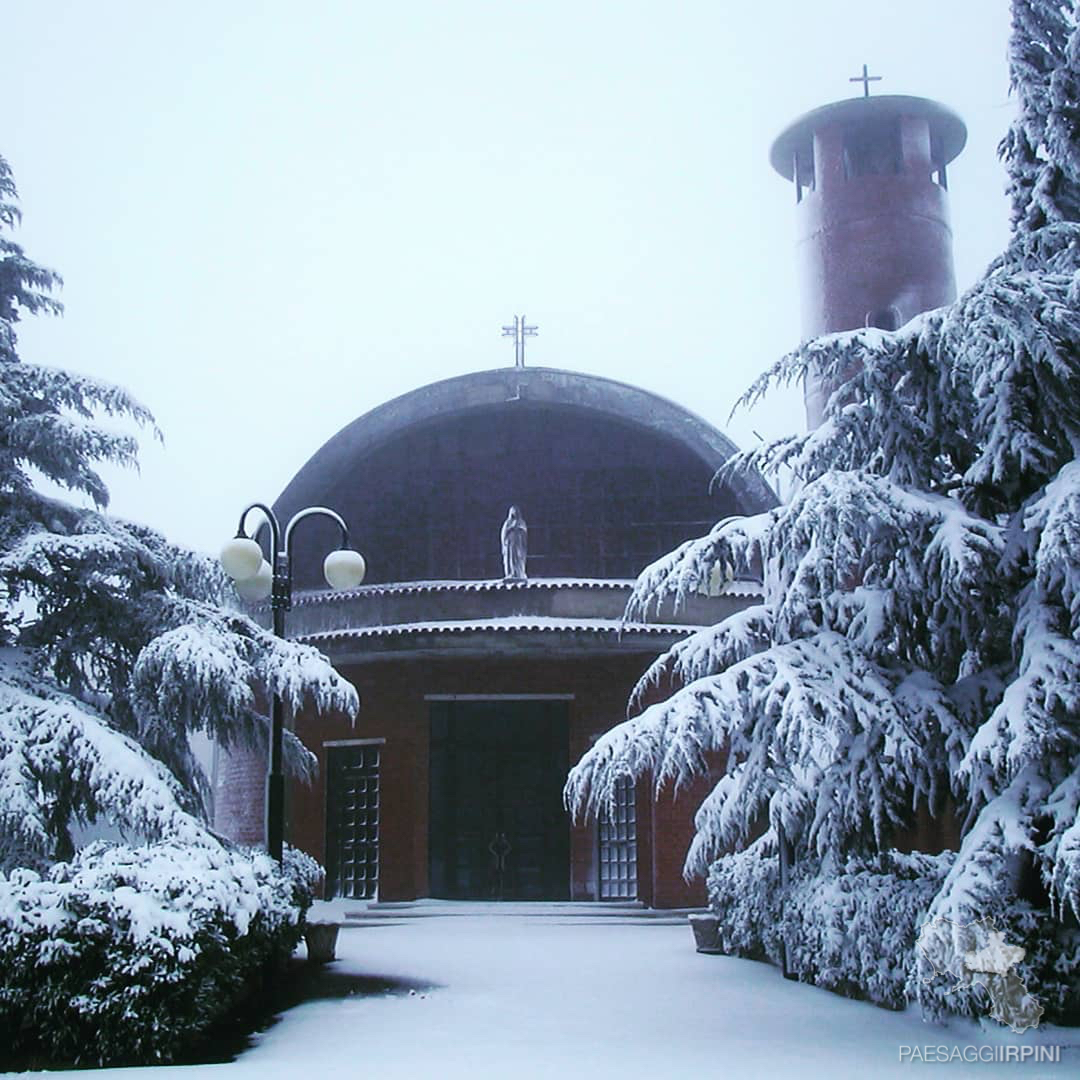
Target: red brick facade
(396,696)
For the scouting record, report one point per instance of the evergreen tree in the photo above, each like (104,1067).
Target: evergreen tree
(116,645)
(919,640)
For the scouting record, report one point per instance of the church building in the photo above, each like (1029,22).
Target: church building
(481,687)
(489,646)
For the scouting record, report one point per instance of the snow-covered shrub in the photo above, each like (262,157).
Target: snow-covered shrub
(743,891)
(305,873)
(126,954)
(854,930)
(851,929)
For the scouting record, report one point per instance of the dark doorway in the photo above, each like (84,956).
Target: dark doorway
(498,828)
(352,821)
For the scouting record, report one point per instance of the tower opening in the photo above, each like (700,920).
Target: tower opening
(873,150)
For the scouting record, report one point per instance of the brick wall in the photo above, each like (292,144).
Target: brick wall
(672,821)
(395,709)
(240,795)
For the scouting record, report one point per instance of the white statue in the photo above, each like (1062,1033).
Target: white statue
(515,543)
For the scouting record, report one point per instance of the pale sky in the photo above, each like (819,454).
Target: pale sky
(272,217)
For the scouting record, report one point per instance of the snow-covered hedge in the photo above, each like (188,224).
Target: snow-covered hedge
(125,954)
(743,891)
(852,930)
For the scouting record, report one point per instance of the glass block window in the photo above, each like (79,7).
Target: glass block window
(618,845)
(352,822)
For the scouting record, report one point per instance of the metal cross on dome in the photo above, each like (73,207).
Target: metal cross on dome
(519,332)
(866,80)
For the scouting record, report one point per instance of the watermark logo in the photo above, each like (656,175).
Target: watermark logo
(973,1054)
(977,954)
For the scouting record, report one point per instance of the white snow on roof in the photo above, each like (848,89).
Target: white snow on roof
(741,588)
(454,585)
(509,624)
(730,588)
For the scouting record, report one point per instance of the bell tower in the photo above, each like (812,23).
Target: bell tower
(874,243)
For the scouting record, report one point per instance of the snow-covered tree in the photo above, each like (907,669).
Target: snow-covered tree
(919,641)
(116,645)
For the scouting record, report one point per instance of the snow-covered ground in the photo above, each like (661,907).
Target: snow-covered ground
(506,997)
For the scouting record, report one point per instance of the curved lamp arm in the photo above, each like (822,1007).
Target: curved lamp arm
(242,557)
(271,518)
(315,511)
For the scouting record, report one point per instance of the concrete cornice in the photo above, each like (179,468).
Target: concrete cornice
(546,604)
(566,638)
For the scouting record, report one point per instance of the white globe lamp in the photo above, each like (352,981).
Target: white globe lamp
(241,558)
(259,586)
(344,569)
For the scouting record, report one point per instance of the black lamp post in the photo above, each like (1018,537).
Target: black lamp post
(255,579)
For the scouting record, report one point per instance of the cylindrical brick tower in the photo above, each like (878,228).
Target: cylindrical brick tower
(874,240)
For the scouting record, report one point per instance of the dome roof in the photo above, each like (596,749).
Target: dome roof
(608,476)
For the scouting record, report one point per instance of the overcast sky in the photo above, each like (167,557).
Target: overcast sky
(271,217)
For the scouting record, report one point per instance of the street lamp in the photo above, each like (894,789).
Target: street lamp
(256,579)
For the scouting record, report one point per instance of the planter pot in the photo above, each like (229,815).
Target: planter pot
(706,931)
(321,941)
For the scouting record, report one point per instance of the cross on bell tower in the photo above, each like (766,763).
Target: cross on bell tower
(519,332)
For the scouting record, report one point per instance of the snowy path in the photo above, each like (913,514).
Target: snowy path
(524,997)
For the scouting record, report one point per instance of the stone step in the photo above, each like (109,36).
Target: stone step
(355,912)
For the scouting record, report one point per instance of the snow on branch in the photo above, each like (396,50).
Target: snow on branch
(1055,520)
(190,676)
(1062,850)
(1041,145)
(668,741)
(58,757)
(729,550)
(886,412)
(885,565)
(1026,727)
(298,672)
(64,449)
(1004,826)
(203,676)
(50,538)
(709,651)
(851,744)
(1018,329)
(40,554)
(84,395)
